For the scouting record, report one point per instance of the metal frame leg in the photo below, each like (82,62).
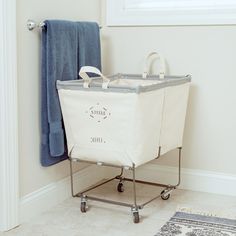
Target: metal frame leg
(179,178)
(135,207)
(120,176)
(134,187)
(71,179)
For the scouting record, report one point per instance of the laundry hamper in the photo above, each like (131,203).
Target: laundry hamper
(121,121)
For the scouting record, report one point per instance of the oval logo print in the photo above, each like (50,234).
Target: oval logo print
(98,112)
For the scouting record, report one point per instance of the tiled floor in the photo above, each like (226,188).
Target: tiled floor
(102,219)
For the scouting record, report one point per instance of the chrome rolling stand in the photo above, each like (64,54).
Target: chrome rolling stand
(135,207)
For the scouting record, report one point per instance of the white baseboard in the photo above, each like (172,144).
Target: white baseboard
(191,179)
(45,198)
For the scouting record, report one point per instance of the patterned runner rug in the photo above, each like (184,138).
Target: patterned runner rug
(191,224)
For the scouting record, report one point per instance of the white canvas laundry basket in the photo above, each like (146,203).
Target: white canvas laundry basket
(123,119)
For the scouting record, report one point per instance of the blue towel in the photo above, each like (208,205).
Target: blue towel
(66,46)
(89,45)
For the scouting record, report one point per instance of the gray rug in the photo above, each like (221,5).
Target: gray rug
(198,225)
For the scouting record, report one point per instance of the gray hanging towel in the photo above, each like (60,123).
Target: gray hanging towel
(66,46)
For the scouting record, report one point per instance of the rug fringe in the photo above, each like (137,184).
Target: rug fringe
(200,211)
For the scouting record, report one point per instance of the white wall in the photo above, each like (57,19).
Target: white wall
(32,175)
(208,54)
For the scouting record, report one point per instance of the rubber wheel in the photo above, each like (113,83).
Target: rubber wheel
(83,207)
(136,217)
(120,188)
(165,197)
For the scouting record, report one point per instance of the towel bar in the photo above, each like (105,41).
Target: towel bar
(31,24)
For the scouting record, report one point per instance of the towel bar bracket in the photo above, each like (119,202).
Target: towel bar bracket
(32,25)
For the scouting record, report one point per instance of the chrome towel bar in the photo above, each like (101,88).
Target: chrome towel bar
(31,25)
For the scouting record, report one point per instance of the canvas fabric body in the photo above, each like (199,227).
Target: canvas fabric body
(129,134)
(174,113)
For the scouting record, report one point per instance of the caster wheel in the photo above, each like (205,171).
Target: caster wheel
(120,188)
(136,217)
(83,207)
(163,196)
